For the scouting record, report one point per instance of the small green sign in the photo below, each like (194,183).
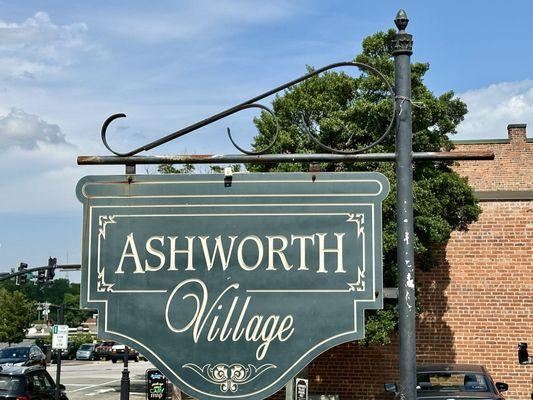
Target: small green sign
(230,286)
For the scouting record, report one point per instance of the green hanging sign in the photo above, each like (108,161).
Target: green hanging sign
(231,285)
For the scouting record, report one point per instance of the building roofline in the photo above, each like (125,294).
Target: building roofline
(481,141)
(487,141)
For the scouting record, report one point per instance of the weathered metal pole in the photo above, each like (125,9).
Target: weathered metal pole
(403,48)
(125,380)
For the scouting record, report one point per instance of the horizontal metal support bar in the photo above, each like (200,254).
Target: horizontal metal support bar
(390,292)
(279,158)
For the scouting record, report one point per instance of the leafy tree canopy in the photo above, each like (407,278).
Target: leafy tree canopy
(55,292)
(74,316)
(348,113)
(16,315)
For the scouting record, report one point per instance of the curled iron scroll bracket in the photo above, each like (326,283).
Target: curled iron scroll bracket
(252,103)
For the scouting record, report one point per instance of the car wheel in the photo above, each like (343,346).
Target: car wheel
(113,360)
(136,359)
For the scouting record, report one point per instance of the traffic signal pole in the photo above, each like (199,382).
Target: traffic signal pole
(68,267)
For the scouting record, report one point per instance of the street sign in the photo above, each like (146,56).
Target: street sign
(60,337)
(156,385)
(231,285)
(302,389)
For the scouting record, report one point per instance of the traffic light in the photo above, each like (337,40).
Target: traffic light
(40,276)
(51,270)
(22,279)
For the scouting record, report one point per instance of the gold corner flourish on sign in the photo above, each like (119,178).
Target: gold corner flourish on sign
(102,285)
(359,219)
(103,221)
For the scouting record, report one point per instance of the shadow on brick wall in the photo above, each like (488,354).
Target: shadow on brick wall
(435,339)
(356,372)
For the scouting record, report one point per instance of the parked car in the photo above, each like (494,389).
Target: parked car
(86,352)
(22,356)
(68,354)
(117,353)
(25,383)
(103,350)
(454,381)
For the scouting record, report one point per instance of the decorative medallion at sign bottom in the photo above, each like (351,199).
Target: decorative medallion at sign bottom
(230,290)
(229,377)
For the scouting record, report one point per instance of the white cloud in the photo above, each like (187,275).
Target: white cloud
(492,108)
(37,46)
(43,180)
(27,131)
(199,20)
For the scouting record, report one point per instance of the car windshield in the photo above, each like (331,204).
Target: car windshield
(85,347)
(10,384)
(452,382)
(14,352)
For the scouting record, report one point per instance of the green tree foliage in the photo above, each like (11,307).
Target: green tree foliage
(73,315)
(52,292)
(55,292)
(16,315)
(217,169)
(171,169)
(80,338)
(348,113)
(190,168)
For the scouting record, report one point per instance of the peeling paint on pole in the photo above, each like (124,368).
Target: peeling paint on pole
(404,203)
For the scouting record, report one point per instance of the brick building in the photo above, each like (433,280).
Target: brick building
(478,302)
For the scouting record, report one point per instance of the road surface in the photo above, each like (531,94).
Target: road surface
(100,379)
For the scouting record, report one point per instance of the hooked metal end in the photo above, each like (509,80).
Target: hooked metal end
(105,125)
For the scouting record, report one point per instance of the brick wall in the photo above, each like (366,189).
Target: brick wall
(478,301)
(511,169)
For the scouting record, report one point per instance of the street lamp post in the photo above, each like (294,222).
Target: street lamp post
(125,381)
(403,48)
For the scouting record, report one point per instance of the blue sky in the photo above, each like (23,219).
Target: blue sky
(65,66)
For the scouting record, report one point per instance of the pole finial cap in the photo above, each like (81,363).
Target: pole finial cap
(401,20)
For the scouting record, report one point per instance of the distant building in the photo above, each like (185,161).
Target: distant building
(91,324)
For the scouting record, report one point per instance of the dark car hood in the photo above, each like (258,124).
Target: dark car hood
(457,396)
(12,360)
